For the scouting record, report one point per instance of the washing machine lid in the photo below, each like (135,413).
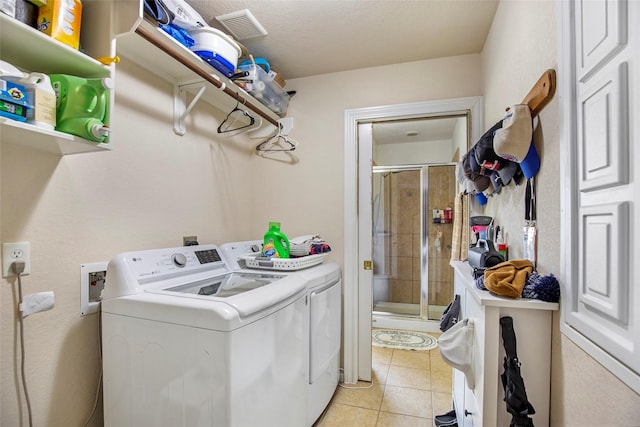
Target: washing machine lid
(225,286)
(246,293)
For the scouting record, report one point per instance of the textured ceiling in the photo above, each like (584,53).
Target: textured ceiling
(310,37)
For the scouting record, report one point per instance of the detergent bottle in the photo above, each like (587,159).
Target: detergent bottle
(276,244)
(42,97)
(82,106)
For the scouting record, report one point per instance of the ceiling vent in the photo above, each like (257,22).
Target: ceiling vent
(242,24)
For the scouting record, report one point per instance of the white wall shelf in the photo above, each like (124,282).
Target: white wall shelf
(27,135)
(31,50)
(154,50)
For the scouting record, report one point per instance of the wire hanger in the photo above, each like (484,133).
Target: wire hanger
(278,142)
(239,121)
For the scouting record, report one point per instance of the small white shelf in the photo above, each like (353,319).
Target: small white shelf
(27,135)
(31,50)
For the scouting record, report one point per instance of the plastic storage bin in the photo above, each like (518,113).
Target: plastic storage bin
(264,88)
(216,48)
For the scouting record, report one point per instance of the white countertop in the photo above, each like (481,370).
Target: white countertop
(487,298)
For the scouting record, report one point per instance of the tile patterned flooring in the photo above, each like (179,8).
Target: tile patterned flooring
(408,389)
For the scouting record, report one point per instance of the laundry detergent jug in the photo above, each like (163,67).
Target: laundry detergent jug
(276,244)
(42,97)
(82,106)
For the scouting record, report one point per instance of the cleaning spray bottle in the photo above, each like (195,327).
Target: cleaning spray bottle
(276,244)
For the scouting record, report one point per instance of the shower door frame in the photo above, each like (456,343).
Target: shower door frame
(424,232)
(424,238)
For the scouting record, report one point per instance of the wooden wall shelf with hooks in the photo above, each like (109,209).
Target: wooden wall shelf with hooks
(542,92)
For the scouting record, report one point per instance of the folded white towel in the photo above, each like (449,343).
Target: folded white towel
(301,245)
(302,239)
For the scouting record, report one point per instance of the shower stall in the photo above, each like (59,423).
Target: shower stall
(412,228)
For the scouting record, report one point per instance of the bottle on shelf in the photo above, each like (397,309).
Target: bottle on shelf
(42,98)
(82,106)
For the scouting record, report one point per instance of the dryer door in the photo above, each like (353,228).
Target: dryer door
(324,332)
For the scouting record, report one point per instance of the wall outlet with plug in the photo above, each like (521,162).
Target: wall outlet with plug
(12,252)
(93,278)
(189,240)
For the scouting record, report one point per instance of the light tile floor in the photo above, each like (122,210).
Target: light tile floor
(408,389)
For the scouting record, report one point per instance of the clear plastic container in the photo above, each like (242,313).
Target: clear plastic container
(263,87)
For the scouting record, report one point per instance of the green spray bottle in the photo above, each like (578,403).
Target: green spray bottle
(276,244)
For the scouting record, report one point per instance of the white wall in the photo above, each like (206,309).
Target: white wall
(459,139)
(308,196)
(154,188)
(520,47)
(413,153)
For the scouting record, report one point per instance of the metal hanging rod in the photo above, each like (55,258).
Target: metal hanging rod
(180,57)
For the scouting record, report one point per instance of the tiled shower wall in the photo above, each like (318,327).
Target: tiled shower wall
(404,256)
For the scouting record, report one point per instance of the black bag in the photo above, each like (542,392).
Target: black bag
(451,314)
(484,255)
(515,393)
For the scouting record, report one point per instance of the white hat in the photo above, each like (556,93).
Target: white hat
(456,348)
(513,141)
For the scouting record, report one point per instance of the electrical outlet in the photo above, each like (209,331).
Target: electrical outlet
(189,240)
(93,278)
(12,252)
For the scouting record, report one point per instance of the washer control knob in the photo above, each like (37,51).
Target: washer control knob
(179,260)
(255,248)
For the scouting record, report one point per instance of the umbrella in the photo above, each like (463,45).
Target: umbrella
(515,394)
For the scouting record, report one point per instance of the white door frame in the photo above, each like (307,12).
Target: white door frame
(365,250)
(353,315)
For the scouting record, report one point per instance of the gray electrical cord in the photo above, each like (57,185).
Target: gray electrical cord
(18,268)
(95,402)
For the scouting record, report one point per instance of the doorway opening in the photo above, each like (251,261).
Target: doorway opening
(357,271)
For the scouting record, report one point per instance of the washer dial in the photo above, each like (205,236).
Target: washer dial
(179,260)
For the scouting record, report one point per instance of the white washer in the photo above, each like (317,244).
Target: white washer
(187,342)
(324,292)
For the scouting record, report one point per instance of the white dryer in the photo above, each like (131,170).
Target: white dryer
(188,342)
(324,311)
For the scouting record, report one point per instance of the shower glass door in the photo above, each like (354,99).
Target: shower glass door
(412,211)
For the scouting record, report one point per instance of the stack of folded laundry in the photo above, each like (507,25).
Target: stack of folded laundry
(307,245)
